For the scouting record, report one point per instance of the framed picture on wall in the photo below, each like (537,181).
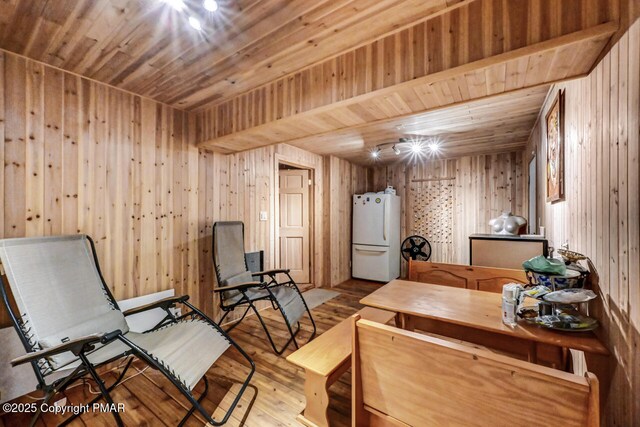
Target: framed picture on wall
(555,149)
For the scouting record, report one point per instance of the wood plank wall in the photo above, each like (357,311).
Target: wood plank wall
(600,215)
(344,179)
(484,186)
(468,32)
(239,186)
(81,157)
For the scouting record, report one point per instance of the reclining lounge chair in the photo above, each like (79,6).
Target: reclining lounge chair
(70,324)
(237,287)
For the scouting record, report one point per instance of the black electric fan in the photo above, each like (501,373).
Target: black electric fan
(417,248)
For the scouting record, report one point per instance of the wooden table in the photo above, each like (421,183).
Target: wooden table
(476,316)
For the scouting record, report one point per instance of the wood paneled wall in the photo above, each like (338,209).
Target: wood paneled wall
(467,32)
(81,157)
(343,180)
(484,187)
(238,186)
(600,215)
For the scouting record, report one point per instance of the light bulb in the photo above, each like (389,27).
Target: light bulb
(176,4)
(434,147)
(396,150)
(375,153)
(195,23)
(416,148)
(210,5)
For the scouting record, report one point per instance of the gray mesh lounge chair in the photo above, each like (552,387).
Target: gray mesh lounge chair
(70,323)
(237,287)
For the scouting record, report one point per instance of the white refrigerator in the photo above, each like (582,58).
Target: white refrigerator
(375,253)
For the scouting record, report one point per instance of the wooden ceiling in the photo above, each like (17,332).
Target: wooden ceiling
(322,129)
(147,47)
(476,127)
(325,75)
(469,51)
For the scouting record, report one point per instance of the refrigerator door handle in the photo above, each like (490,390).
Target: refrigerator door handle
(384,220)
(383,249)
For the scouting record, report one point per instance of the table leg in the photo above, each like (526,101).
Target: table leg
(405,321)
(398,320)
(317,396)
(532,353)
(600,365)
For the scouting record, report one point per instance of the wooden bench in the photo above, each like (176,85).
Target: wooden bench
(324,360)
(434,382)
(488,279)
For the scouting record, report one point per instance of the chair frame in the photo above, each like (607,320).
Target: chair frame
(80,347)
(267,285)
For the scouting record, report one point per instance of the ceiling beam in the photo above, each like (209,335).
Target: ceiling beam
(242,125)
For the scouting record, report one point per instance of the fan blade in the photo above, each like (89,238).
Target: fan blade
(421,245)
(407,250)
(423,254)
(413,242)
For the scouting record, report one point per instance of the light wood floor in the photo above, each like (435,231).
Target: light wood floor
(275,396)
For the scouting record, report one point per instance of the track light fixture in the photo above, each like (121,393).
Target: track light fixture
(416,147)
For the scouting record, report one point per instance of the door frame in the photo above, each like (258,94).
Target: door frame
(532,181)
(284,160)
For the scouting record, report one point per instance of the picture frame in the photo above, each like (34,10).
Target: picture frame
(554,122)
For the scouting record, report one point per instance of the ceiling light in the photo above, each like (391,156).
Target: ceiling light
(176,4)
(396,150)
(416,148)
(195,23)
(434,147)
(210,5)
(375,153)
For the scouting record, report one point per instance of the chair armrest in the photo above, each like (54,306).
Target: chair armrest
(164,304)
(239,286)
(75,346)
(272,272)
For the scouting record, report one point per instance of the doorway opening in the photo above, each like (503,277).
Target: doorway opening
(294,221)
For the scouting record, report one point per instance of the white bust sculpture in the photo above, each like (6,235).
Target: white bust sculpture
(507,224)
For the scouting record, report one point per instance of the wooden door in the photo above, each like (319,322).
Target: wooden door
(294,223)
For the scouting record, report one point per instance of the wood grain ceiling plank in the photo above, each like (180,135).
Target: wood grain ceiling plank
(327,39)
(459,123)
(239,31)
(144,47)
(270,37)
(25,14)
(444,95)
(494,69)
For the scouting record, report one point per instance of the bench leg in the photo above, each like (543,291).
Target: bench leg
(316,389)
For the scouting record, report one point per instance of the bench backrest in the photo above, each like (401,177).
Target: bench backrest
(488,279)
(405,378)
